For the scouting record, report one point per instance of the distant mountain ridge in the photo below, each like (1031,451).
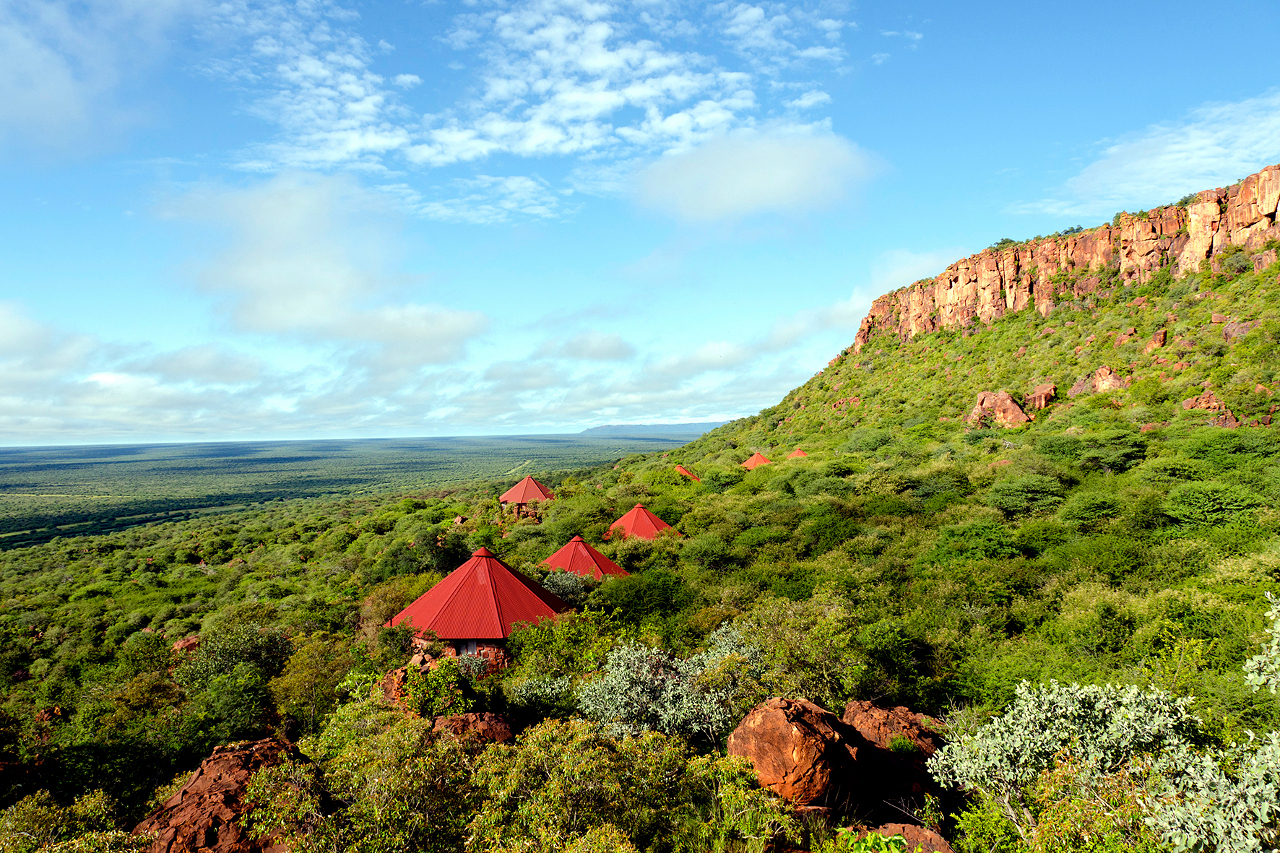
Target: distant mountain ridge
(691,429)
(1210,226)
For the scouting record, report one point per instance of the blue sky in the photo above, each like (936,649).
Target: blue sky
(235,220)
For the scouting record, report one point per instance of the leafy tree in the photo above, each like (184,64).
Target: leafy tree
(306,690)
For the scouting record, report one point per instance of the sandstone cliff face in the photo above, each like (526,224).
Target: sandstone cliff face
(995,282)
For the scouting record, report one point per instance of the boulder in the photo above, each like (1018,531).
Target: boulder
(1000,407)
(1041,395)
(493,728)
(187,645)
(1106,379)
(880,725)
(1208,401)
(918,838)
(204,814)
(798,750)
(810,757)
(1238,329)
(1082,386)
(1156,342)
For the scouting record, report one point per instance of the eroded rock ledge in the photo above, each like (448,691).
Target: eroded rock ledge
(998,281)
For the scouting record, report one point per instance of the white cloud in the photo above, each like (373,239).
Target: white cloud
(735,177)
(308,259)
(486,199)
(588,346)
(61,64)
(593,81)
(1212,145)
(809,100)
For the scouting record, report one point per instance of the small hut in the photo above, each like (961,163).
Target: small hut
(476,607)
(685,472)
(757,459)
(523,493)
(581,559)
(797,454)
(638,522)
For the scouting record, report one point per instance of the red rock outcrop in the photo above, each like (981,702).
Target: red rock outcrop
(187,645)
(880,725)
(1042,395)
(998,406)
(997,281)
(203,814)
(1106,379)
(795,747)
(493,728)
(811,757)
(1156,342)
(918,838)
(1210,402)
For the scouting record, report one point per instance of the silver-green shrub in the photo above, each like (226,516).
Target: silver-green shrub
(1263,669)
(1103,726)
(1226,800)
(642,688)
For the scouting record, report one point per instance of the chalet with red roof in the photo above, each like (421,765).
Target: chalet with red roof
(638,522)
(581,559)
(474,609)
(797,454)
(527,491)
(757,459)
(685,472)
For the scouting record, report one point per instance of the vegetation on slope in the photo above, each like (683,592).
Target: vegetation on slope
(910,558)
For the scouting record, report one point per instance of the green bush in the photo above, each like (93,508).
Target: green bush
(1210,503)
(1028,494)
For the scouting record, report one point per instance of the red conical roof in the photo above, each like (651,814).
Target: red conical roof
(680,469)
(581,559)
(526,491)
(797,454)
(757,459)
(639,522)
(480,600)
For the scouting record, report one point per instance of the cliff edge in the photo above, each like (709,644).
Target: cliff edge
(1037,273)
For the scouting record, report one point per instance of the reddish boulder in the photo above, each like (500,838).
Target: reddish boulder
(810,757)
(1082,386)
(187,645)
(1041,395)
(1157,341)
(1208,401)
(918,838)
(1106,379)
(204,814)
(798,750)
(998,406)
(881,725)
(1238,329)
(493,728)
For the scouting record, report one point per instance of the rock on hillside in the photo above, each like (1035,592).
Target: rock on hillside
(812,758)
(1001,280)
(203,814)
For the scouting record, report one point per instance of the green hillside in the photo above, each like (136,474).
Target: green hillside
(911,558)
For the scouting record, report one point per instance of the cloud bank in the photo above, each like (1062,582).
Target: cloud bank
(737,177)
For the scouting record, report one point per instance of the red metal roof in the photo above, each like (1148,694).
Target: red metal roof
(581,559)
(638,522)
(680,469)
(480,600)
(797,454)
(757,459)
(526,491)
